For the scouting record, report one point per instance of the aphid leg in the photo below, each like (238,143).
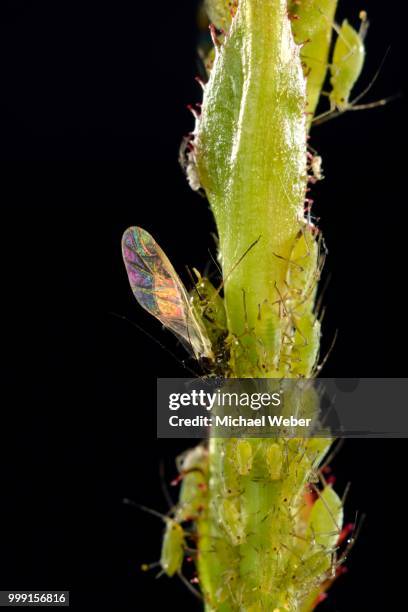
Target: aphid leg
(327,507)
(364,25)
(321,365)
(234,267)
(164,488)
(358,523)
(189,586)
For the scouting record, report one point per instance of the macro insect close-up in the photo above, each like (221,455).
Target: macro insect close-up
(204,267)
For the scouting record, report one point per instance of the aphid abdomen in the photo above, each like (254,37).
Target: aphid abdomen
(173,546)
(243,457)
(274,460)
(231,520)
(303,269)
(269,333)
(306,345)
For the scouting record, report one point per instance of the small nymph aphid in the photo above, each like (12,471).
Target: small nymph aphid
(231,520)
(347,63)
(243,457)
(274,460)
(173,547)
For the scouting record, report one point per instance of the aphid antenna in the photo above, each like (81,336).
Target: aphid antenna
(319,309)
(153,339)
(163,517)
(164,487)
(358,522)
(370,85)
(326,506)
(319,367)
(146,567)
(215,262)
(235,266)
(345,494)
(194,281)
(333,454)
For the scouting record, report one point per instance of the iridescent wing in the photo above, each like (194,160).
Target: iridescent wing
(159,290)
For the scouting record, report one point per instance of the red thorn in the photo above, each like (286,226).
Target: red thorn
(200,81)
(192,110)
(213,32)
(331,480)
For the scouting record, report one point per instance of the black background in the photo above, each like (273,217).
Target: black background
(92,111)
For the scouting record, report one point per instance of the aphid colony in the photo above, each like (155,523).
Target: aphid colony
(312,24)
(261,524)
(312,523)
(287,332)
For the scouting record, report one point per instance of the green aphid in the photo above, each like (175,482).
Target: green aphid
(306,345)
(231,484)
(304,268)
(269,333)
(274,460)
(209,306)
(193,467)
(312,28)
(172,553)
(231,521)
(243,457)
(208,303)
(325,520)
(347,64)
